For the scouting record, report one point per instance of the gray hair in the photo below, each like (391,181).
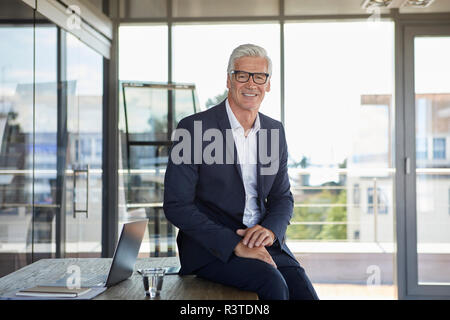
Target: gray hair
(248,50)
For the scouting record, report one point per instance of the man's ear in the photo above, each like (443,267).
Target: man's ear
(228,81)
(268,85)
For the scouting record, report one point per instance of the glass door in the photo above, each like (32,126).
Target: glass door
(28,143)
(427,132)
(44,142)
(16,158)
(51,116)
(83,183)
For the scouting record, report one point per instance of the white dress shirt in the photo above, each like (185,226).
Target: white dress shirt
(247,158)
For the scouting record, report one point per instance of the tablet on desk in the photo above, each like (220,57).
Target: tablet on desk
(169,270)
(172,270)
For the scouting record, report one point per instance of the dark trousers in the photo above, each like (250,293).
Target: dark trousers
(286,282)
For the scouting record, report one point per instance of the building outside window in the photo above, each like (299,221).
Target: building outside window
(382,205)
(439,148)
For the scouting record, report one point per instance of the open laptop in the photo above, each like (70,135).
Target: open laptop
(123,261)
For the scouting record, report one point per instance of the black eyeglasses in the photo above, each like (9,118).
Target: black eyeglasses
(244,76)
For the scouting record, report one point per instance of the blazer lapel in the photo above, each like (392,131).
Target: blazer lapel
(260,178)
(230,146)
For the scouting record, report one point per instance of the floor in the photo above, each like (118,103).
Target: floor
(355,292)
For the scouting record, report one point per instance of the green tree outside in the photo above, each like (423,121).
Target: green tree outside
(320,214)
(216,100)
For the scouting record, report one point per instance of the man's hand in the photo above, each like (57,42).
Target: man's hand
(260,253)
(256,236)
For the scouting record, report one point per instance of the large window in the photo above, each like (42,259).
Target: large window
(339,121)
(146,98)
(338,104)
(432,89)
(144,124)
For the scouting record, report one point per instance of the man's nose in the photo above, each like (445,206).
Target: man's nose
(251,83)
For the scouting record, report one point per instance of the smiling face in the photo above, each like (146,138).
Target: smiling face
(248,96)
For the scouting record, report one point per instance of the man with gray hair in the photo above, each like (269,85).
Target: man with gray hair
(232,215)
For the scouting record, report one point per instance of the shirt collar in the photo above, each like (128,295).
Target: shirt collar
(234,123)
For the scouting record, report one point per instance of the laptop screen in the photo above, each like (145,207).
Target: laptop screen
(126,251)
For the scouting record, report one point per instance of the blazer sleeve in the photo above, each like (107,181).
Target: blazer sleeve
(280,202)
(180,183)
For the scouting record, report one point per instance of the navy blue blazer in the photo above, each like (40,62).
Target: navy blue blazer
(206,201)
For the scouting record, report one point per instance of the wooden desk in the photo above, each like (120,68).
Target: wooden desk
(174,287)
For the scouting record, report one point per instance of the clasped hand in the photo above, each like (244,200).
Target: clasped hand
(253,244)
(256,236)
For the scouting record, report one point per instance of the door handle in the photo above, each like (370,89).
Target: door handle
(75,172)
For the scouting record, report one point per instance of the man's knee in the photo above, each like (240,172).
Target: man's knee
(274,287)
(300,287)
